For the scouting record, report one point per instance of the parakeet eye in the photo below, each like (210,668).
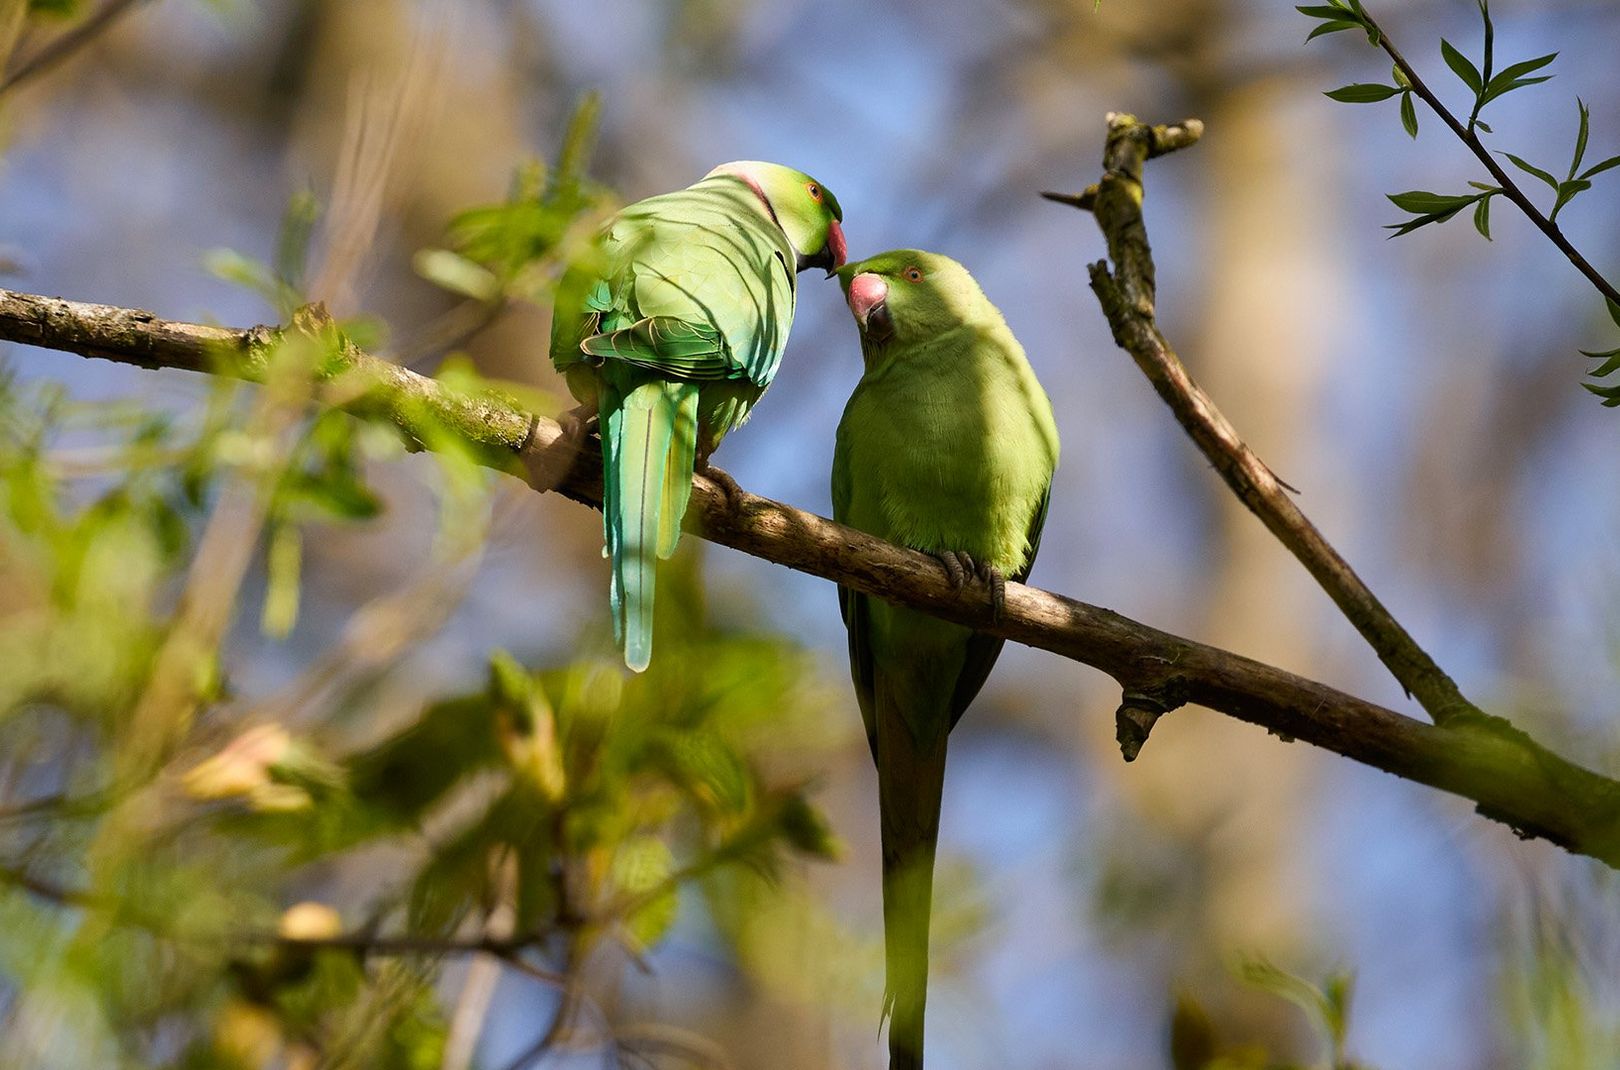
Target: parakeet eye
(913,274)
(815,191)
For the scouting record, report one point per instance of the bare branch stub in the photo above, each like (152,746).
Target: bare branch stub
(1509,776)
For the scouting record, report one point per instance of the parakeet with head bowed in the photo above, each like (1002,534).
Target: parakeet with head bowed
(671,333)
(947,446)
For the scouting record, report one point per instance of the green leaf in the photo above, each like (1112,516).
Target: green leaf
(1482,217)
(1568,191)
(1531,169)
(1323,28)
(1519,70)
(1362,93)
(1614,311)
(456,273)
(1611,362)
(578,142)
(1409,114)
(1514,78)
(1462,66)
(1484,126)
(292,244)
(1609,394)
(283,563)
(1323,11)
(1327,1009)
(1581,137)
(1423,201)
(642,865)
(1597,169)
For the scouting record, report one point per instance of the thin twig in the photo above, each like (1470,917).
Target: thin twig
(1510,188)
(69,43)
(1511,777)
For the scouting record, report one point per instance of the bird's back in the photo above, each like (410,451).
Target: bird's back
(707,255)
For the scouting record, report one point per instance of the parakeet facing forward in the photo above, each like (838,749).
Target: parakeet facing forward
(947,446)
(671,333)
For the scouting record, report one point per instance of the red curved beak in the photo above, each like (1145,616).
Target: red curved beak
(836,246)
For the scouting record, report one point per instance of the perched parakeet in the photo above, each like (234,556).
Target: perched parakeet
(947,446)
(670,333)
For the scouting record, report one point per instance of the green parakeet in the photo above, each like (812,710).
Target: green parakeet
(947,446)
(671,333)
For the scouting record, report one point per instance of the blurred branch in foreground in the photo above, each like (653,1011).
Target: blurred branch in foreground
(1510,777)
(66,45)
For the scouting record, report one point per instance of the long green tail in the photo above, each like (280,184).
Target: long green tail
(649,444)
(911,779)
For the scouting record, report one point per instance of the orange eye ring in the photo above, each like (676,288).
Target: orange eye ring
(814,191)
(913,274)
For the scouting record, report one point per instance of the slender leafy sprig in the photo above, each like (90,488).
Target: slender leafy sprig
(1609,363)
(1487,85)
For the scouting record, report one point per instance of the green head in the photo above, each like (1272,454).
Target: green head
(908,295)
(806,210)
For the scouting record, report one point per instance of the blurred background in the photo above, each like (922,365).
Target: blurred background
(1423,394)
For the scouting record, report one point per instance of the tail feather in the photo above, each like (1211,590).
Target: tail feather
(648,446)
(911,778)
(678,472)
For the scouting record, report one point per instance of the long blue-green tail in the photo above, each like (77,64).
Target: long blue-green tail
(649,444)
(911,780)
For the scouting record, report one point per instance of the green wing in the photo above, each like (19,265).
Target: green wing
(852,606)
(983,650)
(673,348)
(693,285)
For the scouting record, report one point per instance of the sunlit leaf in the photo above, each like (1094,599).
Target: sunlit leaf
(643,866)
(454,272)
(283,568)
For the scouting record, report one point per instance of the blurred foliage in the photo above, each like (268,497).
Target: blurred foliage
(179,913)
(583,799)
(1196,1044)
(518,249)
(203,912)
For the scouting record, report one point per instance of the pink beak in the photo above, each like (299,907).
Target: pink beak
(836,245)
(866,292)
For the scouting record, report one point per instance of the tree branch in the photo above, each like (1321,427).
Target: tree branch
(1128,295)
(1508,776)
(1510,188)
(67,44)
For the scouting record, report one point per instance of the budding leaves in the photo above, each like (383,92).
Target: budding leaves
(1427,208)
(1609,363)
(1487,84)
(1337,15)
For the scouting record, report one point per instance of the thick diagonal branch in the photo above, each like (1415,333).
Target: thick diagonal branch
(1510,777)
(1127,294)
